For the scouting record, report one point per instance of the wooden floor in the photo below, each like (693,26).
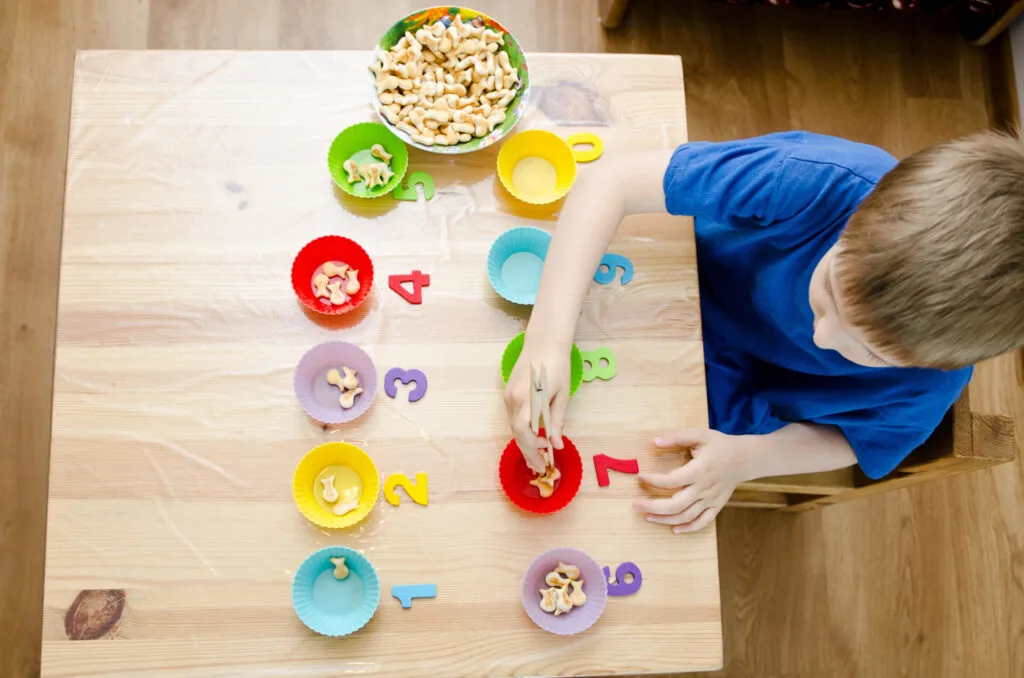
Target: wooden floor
(921,582)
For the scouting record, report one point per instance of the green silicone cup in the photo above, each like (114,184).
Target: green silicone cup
(355,142)
(515,348)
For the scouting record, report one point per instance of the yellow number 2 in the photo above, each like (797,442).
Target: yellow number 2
(417,491)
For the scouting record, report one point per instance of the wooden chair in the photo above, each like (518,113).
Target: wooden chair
(984,428)
(986,425)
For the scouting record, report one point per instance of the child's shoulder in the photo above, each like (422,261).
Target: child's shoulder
(923,387)
(773,178)
(863,160)
(793,158)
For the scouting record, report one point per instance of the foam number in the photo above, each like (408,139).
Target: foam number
(603,463)
(406,592)
(405,376)
(406,190)
(605,272)
(417,491)
(583,139)
(627,579)
(593,367)
(417,279)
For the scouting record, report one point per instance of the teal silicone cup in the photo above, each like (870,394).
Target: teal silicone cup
(515,262)
(330,606)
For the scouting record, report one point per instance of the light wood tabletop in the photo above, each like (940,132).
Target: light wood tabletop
(193,180)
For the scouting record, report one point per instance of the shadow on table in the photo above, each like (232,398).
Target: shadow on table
(345,321)
(510,205)
(370,208)
(495,301)
(350,429)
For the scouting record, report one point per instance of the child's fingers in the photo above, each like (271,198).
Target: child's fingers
(518,409)
(668,506)
(534,460)
(559,405)
(702,521)
(531,453)
(685,516)
(516,398)
(527,440)
(673,480)
(683,437)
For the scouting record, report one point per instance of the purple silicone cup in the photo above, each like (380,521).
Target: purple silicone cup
(579,619)
(320,399)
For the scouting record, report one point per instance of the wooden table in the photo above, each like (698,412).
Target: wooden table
(193,180)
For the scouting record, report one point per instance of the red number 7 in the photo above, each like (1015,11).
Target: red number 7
(602,462)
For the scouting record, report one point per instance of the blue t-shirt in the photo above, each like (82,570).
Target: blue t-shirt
(765,211)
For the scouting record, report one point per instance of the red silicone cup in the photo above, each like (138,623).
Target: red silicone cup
(516,476)
(314,255)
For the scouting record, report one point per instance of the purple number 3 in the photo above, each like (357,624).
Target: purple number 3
(405,376)
(621,587)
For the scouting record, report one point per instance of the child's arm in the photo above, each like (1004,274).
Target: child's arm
(611,189)
(720,462)
(607,192)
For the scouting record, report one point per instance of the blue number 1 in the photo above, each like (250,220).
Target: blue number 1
(406,592)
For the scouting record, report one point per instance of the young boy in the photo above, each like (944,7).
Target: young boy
(844,297)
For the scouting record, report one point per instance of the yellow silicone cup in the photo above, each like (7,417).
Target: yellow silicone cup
(581,138)
(328,454)
(538,143)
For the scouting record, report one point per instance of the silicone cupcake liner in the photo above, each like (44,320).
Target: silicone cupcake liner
(578,619)
(515,478)
(320,399)
(334,454)
(516,108)
(355,142)
(309,261)
(515,348)
(537,143)
(515,262)
(335,607)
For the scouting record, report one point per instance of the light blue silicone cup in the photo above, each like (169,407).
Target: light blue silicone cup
(330,606)
(515,262)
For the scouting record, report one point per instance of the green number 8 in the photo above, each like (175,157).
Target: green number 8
(593,367)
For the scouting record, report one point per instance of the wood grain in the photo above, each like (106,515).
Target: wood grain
(611,12)
(193,179)
(921,581)
(827,483)
(33,127)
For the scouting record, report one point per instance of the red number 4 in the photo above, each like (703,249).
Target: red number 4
(417,279)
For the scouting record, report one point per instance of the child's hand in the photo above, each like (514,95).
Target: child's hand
(704,484)
(555,357)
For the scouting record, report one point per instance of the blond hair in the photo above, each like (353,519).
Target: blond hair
(931,265)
